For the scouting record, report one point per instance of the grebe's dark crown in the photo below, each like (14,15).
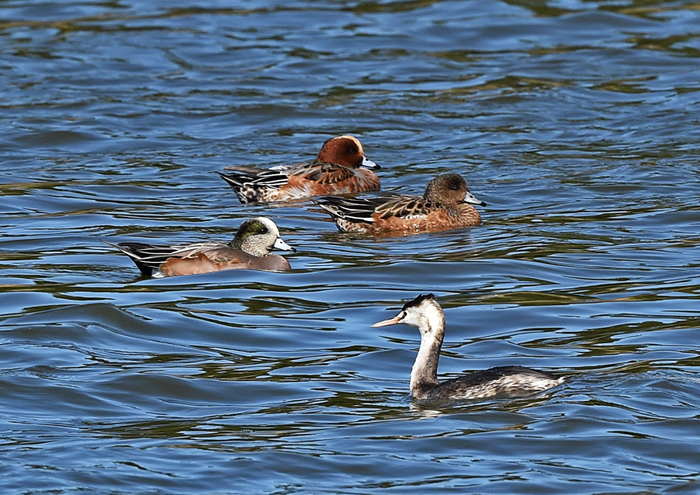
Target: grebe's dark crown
(418,301)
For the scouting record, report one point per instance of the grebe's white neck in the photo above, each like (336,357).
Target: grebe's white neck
(425,313)
(430,320)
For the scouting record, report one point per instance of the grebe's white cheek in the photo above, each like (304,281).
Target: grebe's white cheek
(412,318)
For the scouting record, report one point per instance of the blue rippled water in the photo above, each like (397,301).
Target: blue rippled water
(576,122)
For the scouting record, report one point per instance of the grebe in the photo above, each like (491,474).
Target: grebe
(425,313)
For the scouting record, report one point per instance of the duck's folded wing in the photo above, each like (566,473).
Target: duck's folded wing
(263,178)
(378,208)
(322,173)
(155,254)
(405,207)
(147,257)
(227,255)
(350,209)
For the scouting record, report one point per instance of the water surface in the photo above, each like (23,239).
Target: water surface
(575,121)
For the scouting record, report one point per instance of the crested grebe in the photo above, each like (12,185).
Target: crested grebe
(425,313)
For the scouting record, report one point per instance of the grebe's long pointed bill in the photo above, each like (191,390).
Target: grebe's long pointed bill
(368,163)
(391,321)
(283,246)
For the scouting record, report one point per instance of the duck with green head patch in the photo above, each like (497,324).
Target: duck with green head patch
(250,248)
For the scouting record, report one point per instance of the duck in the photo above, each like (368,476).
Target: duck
(425,313)
(250,249)
(341,167)
(446,204)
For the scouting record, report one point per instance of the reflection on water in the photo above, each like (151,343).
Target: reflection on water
(573,121)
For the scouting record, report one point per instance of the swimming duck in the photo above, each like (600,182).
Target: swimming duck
(250,249)
(446,204)
(425,313)
(340,168)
